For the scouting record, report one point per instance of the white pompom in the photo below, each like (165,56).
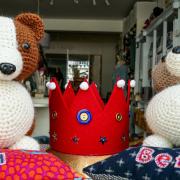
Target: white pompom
(65,86)
(120,83)
(84,86)
(47,84)
(132,83)
(51,85)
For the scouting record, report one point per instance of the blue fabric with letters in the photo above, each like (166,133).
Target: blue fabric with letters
(135,164)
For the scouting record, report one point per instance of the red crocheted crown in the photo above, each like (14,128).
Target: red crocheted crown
(82,124)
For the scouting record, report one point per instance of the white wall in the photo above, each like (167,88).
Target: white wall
(161,3)
(87,25)
(96,70)
(41,121)
(41,117)
(144,10)
(140,12)
(90,45)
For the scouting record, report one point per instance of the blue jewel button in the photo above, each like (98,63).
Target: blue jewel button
(84,116)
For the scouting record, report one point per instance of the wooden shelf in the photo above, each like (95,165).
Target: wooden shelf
(159,20)
(168,21)
(156,23)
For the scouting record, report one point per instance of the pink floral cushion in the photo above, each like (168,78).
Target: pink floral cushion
(20,164)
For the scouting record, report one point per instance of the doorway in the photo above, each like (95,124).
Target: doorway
(96,71)
(77,67)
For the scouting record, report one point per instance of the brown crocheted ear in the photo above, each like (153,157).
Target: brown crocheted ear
(29,133)
(34,22)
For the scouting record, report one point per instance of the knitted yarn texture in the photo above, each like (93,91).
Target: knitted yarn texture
(9,48)
(29,29)
(16,110)
(166,73)
(156,140)
(162,78)
(173,63)
(19,56)
(163,114)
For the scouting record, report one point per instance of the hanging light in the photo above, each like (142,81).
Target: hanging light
(94,2)
(107,3)
(51,2)
(76,1)
(45,40)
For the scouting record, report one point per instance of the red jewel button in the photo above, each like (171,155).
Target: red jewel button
(54,115)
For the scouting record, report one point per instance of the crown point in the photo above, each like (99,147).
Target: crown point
(51,85)
(84,86)
(132,83)
(120,83)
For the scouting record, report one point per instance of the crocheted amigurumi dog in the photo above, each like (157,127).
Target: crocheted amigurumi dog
(167,72)
(163,111)
(163,118)
(19,56)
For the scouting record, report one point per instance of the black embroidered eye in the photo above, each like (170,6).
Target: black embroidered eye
(26,46)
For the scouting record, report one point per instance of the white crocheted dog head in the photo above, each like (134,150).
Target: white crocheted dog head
(173,61)
(19,52)
(19,57)
(163,114)
(167,72)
